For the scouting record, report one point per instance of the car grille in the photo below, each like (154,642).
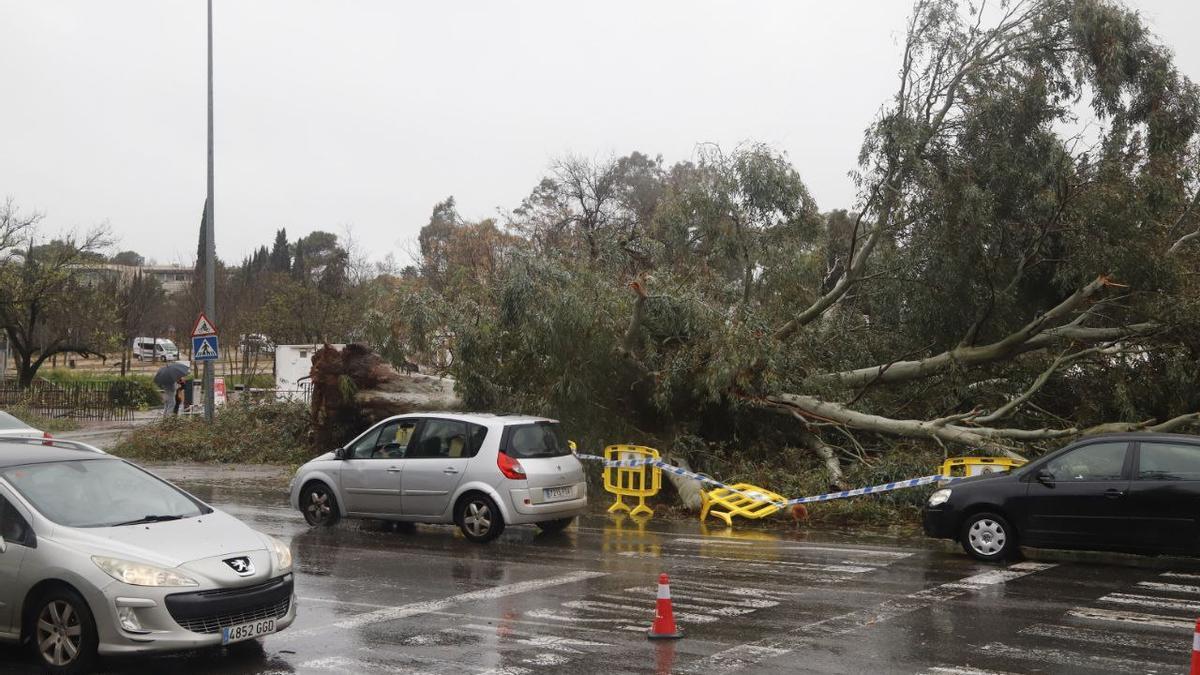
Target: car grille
(214,624)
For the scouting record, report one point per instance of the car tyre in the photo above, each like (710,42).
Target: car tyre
(319,505)
(479,518)
(63,632)
(555,526)
(988,537)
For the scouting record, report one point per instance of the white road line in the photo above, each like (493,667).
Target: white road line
(1170,588)
(817,567)
(551,615)
(335,601)
(1136,640)
(552,642)
(852,621)
(743,591)
(961,670)
(895,555)
(1135,618)
(1181,575)
(728,609)
(1058,658)
(709,599)
(614,608)
(1152,601)
(429,606)
(341,664)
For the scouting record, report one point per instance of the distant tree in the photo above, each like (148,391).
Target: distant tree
(138,302)
(281,257)
(48,304)
(130,258)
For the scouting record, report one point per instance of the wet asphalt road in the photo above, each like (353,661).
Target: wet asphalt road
(377,600)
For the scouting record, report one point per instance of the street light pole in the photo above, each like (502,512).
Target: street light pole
(209,246)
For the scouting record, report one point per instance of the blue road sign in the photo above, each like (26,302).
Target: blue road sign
(205,348)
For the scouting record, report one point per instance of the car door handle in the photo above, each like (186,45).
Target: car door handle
(393,469)
(449,469)
(1113,493)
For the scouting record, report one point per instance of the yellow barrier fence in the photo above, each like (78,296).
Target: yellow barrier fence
(639,482)
(963,467)
(729,504)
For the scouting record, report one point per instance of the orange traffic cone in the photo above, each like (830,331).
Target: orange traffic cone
(1196,650)
(664,627)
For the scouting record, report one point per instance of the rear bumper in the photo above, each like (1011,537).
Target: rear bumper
(524,511)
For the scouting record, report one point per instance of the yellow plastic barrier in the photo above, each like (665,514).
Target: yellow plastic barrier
(735,504)
(640,481)
(961,467)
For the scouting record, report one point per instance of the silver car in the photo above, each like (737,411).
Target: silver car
(478,471)
(98,556)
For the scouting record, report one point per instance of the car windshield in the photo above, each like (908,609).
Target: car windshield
(9,422)
(100,493)
(541,439)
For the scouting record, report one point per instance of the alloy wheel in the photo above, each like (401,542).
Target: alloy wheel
(987,537)
(318,506)
(59,633)
(478,518)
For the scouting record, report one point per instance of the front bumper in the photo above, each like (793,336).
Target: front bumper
(173,620)
(940,522)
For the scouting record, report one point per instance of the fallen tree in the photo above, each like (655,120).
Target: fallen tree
(353,388)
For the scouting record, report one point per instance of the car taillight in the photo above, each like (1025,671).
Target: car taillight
(510,467)
(46,434)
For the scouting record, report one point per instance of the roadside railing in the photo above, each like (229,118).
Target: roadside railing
(105,401)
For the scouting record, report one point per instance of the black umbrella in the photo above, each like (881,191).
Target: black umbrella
(168,375)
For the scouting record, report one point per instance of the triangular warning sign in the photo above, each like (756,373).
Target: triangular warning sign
(203,326)
(205,351)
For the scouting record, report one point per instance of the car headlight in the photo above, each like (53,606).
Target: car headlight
(283,555)
(137,574)
(939,497)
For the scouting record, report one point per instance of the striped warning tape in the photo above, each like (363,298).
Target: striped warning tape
(671,468)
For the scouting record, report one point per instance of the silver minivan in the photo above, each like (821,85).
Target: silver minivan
(98,556)
(479,471)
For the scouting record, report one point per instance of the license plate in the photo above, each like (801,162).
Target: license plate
(247,631)
(557,493)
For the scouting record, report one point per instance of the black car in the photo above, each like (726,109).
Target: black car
(1132,492)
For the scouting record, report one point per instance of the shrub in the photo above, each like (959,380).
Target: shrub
(241,432)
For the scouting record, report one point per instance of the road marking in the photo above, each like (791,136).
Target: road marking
(335,601)
(745,655)
(963,670)
(1170,588)
(613,608)
(817,567)
(1059,657)
(1101,637)
(553,642)
(342,664)
(711,599)
(1151,601)
(1181,575)
(430,606)
(1132,618)
(551,615)
(680,602)
(895,555)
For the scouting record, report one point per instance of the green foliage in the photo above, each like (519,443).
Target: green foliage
(243,433)
(137,391)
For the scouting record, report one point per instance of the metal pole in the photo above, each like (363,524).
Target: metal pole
(210,253)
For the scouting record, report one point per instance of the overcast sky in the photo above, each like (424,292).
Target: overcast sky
(365,113)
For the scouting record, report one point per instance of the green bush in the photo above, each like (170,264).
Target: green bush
(244,433)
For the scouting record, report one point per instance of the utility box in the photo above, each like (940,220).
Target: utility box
(293,364)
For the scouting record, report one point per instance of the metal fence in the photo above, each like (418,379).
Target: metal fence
(108,401)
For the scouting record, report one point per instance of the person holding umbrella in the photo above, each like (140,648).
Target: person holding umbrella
(167,379)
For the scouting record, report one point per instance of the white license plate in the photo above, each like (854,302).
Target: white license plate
(556,494)
(247,631)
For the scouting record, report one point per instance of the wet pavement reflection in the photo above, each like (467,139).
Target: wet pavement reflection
(380,597)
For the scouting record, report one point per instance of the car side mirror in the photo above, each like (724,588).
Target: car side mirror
(1045,478)
(339,453)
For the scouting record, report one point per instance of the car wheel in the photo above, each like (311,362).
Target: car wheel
(555,526)
(479,518)
(319,505)
(64,633)
(988,537)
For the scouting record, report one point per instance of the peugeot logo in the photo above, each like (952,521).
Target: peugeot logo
(242,566)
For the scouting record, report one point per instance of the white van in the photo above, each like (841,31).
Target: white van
(155,349)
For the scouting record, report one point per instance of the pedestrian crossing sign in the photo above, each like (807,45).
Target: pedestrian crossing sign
(205,348)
